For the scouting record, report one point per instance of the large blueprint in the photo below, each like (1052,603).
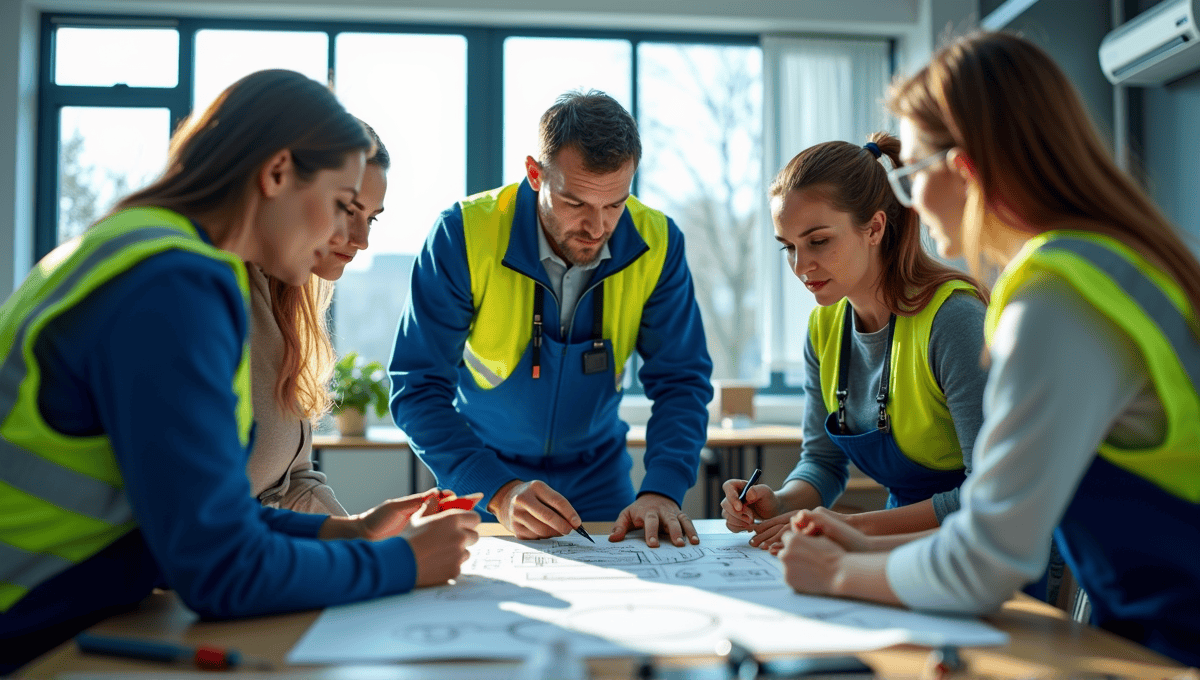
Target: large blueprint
(616,599)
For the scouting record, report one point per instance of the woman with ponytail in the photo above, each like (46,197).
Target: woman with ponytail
(894,381)
(1092,427)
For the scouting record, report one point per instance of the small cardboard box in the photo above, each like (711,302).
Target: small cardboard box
(734,399)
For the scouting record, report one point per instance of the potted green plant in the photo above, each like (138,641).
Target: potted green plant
(357,385)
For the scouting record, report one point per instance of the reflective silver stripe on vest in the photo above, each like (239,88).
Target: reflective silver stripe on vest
(1153,301)
(477,365)
(27,569)
(32,473)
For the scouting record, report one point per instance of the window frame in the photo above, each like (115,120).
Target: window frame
(484,96)
(484,77)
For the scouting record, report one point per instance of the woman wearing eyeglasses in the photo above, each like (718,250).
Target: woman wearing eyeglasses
(1092,426)
(894,381)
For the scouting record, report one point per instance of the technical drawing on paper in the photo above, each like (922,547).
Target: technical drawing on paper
(636,620)
(562,560)
(616,599)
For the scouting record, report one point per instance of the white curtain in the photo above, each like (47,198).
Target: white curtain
(816,90)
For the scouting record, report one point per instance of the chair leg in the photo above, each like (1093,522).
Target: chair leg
(710,463)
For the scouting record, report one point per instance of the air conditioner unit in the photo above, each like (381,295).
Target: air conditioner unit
(1156,46)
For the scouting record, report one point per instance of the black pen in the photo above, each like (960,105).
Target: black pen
(749,483)
(579,530)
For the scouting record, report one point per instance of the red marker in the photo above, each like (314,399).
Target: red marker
(449,501)
(206,658)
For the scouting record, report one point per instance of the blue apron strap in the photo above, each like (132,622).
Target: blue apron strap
(885,421)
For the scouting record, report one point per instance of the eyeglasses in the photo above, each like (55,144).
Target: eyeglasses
(901,177)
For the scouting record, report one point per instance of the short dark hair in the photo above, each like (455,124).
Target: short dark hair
(596,125)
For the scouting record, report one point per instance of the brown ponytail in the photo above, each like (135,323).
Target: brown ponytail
(854,181)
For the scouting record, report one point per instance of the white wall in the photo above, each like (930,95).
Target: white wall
(838,16)
(18,116)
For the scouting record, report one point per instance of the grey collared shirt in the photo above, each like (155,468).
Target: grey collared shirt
(566,282)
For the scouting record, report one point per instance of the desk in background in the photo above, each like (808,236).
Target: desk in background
(727,460)
(1043,643)
(726,455)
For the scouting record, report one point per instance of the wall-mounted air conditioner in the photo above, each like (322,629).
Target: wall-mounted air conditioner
(1156,46)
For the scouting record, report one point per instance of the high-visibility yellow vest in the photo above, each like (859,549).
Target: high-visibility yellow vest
(62,497)
(921,422)
(503,298)
(1156,314)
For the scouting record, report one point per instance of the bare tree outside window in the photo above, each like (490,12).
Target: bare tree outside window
(77,197)
(104,153)
(701,124)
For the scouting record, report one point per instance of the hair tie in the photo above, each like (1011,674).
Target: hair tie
(873,148)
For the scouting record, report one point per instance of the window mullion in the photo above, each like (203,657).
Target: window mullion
(485,107)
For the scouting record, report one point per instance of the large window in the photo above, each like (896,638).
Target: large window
(700,110)
(818,90)
(537,70)
(421,116)
(105,153)
(458,110)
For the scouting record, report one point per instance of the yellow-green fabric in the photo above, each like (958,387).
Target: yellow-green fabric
(63,499)
(921,422)
(503,298)
(1120,289)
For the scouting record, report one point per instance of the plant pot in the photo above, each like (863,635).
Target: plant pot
(351,423)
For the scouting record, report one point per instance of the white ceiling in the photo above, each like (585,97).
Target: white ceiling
(886,17)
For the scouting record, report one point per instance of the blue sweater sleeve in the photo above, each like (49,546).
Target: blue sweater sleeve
(676,373)
(164,341)
(429,346)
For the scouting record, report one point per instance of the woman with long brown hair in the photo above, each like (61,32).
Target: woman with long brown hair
(1092,428)
(126,391)
(894,383)
(292,358)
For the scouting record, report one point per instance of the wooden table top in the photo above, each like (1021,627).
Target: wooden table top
(1043,643)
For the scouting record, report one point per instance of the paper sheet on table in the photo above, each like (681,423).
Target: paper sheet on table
(617,599)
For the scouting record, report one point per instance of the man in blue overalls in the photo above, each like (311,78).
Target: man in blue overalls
(524,306)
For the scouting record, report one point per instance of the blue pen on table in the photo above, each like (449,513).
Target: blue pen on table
(207,658)
(749,483)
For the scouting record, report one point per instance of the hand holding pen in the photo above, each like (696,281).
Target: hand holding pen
(742,506)
(391,517)
(749,483)
(533,510)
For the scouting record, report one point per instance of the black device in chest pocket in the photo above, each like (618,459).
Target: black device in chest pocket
(595,360)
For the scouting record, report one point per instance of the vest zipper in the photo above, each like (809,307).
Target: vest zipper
(562,359)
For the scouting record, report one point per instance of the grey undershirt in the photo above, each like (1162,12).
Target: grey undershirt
(567,282)
(1064,378)
(955,350)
